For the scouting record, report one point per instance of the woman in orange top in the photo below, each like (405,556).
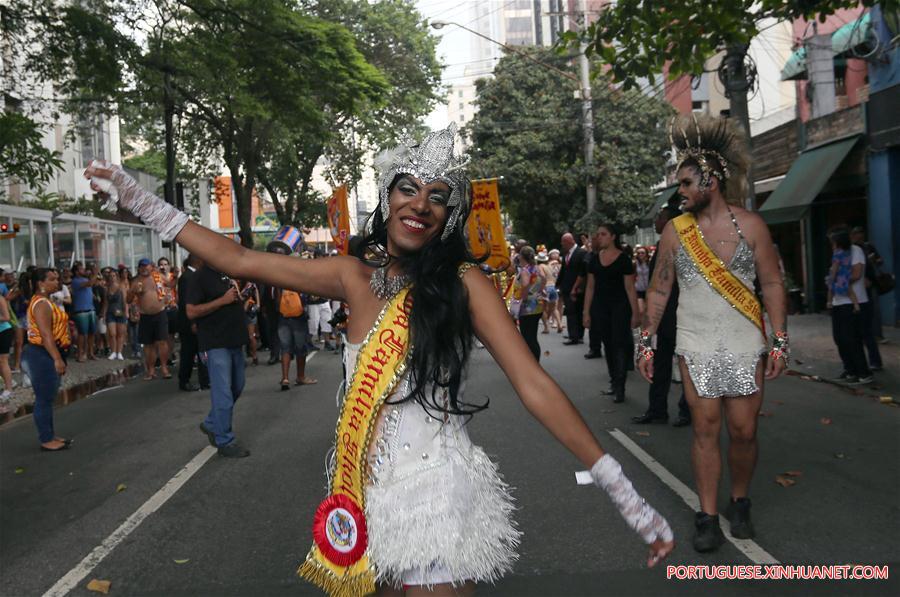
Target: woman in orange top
(43,357)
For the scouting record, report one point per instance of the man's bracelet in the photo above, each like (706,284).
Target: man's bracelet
(644,348)
(780,347)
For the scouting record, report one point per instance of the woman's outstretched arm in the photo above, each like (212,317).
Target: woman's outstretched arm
(546,401)
(323,277)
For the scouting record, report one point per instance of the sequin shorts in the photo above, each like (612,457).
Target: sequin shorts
(722,373)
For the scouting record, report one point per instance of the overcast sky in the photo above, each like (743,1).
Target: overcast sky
(454,51)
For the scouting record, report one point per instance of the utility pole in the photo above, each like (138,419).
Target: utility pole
(587,116)
(169,114)
(737,80)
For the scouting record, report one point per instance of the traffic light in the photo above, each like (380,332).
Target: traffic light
(4,228)
(6,232)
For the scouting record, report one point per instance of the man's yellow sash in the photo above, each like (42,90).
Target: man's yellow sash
(337,561)
(720,278)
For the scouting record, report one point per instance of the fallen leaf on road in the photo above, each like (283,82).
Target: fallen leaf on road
(99,586)
(838,454)
(765,413)
(825,421)
(121,487)
(19,470)
(794,473)
(546,353)
(806,378)
(798,361)
(885,399)
(784,481)
(184,561)
(642,433)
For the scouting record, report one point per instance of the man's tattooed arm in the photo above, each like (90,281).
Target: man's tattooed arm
(661,283)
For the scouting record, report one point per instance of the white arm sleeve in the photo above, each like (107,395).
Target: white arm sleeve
(640,516)
(153,211)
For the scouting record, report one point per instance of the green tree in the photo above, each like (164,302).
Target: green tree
(234,72)
(23,157)
(528,130)
(392,36)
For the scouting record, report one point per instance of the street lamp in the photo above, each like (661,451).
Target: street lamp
(584,91)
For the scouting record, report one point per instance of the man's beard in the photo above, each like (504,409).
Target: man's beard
(699,204)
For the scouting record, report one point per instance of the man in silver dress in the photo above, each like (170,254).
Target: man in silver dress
(724,355)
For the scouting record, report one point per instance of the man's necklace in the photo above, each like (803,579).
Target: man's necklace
(385,287)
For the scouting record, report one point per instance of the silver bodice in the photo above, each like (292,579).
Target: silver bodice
(720,346)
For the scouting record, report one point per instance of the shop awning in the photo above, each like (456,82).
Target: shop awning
(662,197)
(804,181)
(852,35)
(795,67)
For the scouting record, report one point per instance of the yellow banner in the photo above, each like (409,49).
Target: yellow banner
(717,274)
(485,227)
(337,561)
(339,219)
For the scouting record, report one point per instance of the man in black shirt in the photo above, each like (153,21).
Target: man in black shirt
(187,331)
(214,303)
(658,409)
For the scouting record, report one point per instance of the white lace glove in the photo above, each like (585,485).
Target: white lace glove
(153,211)
(640,516)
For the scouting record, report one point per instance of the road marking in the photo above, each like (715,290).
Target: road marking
(748,547)
(106,390)
(79,572)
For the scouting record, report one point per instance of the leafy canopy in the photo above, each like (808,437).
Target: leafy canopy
(637,38)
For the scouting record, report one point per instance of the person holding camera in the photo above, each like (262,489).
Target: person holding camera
(214,302)
(250,298)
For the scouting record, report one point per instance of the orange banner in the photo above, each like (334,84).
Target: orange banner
(339,219)
(485,227)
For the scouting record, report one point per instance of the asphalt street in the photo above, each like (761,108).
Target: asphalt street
(241,527)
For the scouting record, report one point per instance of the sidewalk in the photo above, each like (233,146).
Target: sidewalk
(814,355)
(80,380)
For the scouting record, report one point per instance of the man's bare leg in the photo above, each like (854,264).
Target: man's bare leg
(163,348)
(706,457)
(742,416)
(149,361)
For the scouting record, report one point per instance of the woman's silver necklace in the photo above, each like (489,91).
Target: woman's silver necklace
(385,287)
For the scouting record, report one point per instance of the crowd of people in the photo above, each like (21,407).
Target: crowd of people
(111,312)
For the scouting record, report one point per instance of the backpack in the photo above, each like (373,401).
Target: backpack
(290,304)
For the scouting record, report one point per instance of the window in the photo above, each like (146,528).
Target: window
(461,106)
(41,244)
(22,245)
(460,93)
(462,118)
(64,243)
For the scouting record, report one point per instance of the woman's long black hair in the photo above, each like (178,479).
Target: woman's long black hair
(440,326)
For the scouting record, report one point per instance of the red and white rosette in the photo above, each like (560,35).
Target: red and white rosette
(339,530)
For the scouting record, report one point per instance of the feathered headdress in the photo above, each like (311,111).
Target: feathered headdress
(430,160)
(719,147)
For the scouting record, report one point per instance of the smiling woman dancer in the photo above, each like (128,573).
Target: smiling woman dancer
(413,505)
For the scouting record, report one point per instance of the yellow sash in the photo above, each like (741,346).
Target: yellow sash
(337,561)
(720,278)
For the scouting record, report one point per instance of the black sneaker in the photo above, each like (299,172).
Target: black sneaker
(738,514)
(860,381)
(708,534)
(234,450)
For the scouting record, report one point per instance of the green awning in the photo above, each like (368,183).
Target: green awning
(795,67)
(662,197)
(808,175)
(852,35)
